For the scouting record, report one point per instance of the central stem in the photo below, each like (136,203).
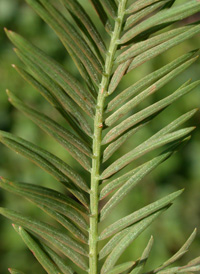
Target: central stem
(98,125)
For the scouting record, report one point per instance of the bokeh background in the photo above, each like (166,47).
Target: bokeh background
(180,171)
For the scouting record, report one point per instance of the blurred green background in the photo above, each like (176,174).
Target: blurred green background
(181,171)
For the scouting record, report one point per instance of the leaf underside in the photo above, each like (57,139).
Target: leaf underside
(97,125)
